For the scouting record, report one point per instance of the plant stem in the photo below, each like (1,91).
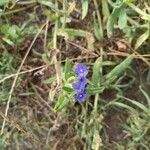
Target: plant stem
(99,18)
(16,10)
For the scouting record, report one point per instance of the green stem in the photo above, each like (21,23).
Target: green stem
(65,13)
(26,2)
(16,10)
(99,18)
(55,29)
(95,105)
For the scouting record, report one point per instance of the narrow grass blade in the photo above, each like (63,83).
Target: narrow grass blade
(146,95)
(136,103)
(122,105)
(119,69)
(139,105)
(97,30)
(95,90)
(142,39)
(144,15)
(97,73)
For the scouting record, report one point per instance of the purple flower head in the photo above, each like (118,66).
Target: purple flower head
(80,84)
(81,70)
(81,96)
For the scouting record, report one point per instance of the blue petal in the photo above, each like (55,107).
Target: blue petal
(82,79)
(76,86)
(80,84)
(81,70)
(81,96)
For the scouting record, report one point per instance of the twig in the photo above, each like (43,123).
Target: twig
(40,67)
(40,98)
(16,77)
(139,56)
(45,36)
(56,63)
(17,10)
(82,48)
(23,72)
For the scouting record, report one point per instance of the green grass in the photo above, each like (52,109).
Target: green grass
(40,43)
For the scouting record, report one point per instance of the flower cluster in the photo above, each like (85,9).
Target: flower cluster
(80,86)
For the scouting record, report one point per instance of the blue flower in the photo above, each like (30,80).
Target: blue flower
(82,79)
(81,70)
(76,86)
(80,96)
(80,84)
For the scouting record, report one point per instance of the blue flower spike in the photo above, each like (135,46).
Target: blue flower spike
(80,86)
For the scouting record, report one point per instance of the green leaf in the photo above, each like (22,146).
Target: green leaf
(68,70)
(8,41)
(97,71)
(51,15)
(136,103)
(46,3)
(49,80)
(85,6)
(61,103)
(97,31)
(144,15)
(122,21)
(4,28)
(4,2)
(95,90)
(146,96)
(113,19)
(121,105)
(11,32)
(129,1)
(109,63)
(139,105)
(119,69)
(142,39)
(67,89)
(105,8)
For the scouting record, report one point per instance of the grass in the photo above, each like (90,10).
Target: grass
(41,41)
